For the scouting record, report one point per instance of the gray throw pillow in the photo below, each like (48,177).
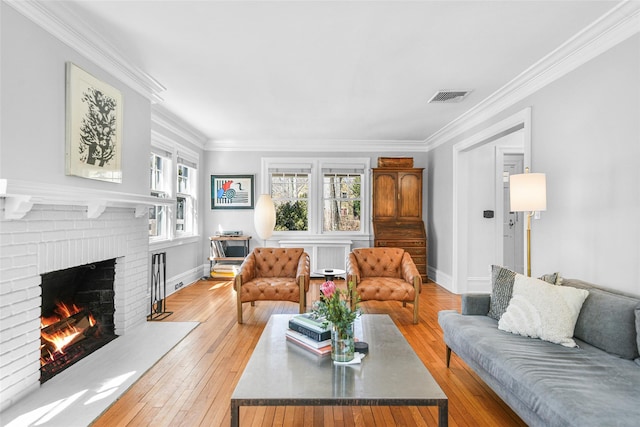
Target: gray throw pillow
(501,290)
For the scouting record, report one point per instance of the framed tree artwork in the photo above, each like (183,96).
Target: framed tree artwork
(94,127)
(231,191)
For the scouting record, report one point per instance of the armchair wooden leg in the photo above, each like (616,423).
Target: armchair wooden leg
(302,296)
(238,288)
(353,295)
(448,356)
(416,309)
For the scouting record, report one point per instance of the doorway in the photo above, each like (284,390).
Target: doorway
(479,222)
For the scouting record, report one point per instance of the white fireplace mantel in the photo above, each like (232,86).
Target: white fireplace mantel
(20,196)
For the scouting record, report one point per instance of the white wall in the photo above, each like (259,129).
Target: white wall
(481,190)
(585,137)
(32,140)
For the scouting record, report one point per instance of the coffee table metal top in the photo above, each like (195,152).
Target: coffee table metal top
(281,373)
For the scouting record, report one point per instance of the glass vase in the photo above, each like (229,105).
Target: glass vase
(342,343)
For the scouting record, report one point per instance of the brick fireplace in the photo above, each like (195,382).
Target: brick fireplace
(77,315)
(55,237)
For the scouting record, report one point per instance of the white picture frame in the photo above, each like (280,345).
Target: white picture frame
(93,127)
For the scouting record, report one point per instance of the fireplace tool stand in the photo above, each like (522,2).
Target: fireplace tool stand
(159,287)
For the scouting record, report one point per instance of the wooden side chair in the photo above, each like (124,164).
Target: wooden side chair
(385,274)
(273,274)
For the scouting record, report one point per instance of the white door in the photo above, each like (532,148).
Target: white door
(513,222)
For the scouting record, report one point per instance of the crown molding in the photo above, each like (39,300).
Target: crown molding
(59,20)
(171,123)
(317,145)
(615,26)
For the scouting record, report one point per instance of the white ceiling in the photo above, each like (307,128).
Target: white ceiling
(314,71)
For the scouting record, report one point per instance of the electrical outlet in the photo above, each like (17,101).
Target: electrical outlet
(178,285)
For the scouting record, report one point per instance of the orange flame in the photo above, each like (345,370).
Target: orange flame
(62,311)
(59,339)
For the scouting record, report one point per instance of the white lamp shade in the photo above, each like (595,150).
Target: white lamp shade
(264,216)
(528,192)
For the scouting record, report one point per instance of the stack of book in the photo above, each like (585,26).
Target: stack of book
(308,333)
(225,269)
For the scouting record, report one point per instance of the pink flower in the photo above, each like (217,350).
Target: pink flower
(328,288)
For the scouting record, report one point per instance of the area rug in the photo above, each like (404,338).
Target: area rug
(78,395)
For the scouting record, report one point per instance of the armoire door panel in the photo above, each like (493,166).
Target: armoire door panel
(385,196)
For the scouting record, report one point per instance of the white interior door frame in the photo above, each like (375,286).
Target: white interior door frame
(520,120)
(499,217)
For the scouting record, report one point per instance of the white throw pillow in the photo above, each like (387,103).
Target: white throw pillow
(540,310)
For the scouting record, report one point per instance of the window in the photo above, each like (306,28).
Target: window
(186,198)
(161,188)
(317,196)
(159,166)
(157,221)
(177,215)
(341,201)
(290,194)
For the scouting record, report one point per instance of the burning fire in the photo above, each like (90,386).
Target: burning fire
(63,329)
(63,311)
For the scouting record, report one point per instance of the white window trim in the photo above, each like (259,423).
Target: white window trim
(165,200)
(315,193)
(193,195)
(159,146)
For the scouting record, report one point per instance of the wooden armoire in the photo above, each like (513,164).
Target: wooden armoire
(397,209)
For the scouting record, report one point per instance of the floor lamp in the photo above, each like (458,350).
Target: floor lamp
(264,217)
(528,193)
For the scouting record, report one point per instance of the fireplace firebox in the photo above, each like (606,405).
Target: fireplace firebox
(77,315)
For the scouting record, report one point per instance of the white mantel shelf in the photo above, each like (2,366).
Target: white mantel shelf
(20,197)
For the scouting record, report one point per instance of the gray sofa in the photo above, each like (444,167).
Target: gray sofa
(546,384)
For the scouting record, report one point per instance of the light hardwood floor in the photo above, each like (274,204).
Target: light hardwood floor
(193,383)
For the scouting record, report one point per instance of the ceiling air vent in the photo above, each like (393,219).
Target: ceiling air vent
(449,96)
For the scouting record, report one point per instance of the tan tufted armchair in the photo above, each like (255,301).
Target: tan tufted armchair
(273,274)
(385,274)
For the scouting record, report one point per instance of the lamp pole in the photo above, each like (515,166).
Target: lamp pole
(529,215)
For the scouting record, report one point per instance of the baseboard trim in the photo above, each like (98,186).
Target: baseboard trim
(443,279)
(187,278)
(479,285)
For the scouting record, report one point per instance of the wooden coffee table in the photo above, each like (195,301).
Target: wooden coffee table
(279,373)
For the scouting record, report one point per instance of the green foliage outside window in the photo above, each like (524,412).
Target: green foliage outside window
(291,216)
(290,193)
